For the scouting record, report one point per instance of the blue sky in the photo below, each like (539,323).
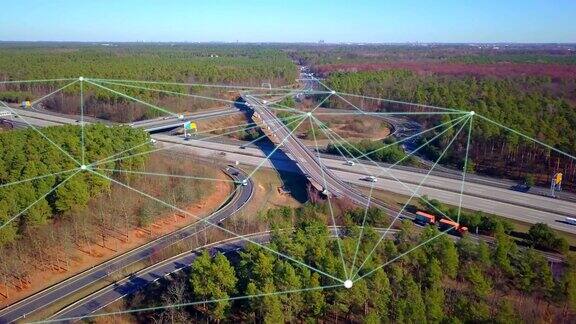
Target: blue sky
(290,20)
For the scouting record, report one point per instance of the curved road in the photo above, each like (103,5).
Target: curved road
(129,285)
(139,280)
(76,283)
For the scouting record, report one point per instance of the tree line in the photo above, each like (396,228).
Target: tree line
(443,281)
(26,154)
(531,105)
(246,65)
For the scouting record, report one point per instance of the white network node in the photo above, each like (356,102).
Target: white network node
(463,118)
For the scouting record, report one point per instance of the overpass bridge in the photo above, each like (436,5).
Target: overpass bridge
(22,118)
(319,176)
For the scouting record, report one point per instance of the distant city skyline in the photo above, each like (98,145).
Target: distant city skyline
(338,21)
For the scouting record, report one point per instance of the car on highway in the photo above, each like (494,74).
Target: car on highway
(570,220)
(371,179)
(350,163)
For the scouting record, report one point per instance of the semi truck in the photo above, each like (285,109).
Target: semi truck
(423,218)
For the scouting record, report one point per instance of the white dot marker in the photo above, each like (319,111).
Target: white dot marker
(333,92)
(472,113)
(309,114)
(81,78)
(83,167)
(348,284)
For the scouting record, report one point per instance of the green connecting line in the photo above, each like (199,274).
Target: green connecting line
(362,228)
(527,137)
(109,159)
(405,253)
(395,101)
(38,200)
(277,147)
(155,308)
(338,239)
(39,132)
(82,120)
(39,80)
(219,227)
(205,85)
(53,92)
(381,99)
(165,175)
(465,167)
(394,113)
(132,98)
(36,178)
(387,169)
(168,92)
(410,199)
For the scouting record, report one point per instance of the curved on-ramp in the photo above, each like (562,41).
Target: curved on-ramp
(57,292)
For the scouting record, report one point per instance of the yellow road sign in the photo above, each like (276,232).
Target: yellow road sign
(558,178)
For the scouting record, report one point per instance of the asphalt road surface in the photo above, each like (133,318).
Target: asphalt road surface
(477,196)
(141,279)
(59,291)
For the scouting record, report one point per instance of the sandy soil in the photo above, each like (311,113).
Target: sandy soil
(94,254)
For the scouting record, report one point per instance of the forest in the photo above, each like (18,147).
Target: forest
(26,154)
(200,63)
(83,220)
(243,65)
(537,106)
(317,55)
(447,280)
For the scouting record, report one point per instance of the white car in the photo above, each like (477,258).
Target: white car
(571,221)
(350,163)
(371,179)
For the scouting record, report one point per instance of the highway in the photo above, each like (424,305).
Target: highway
(78,282)
(139,280)
(45,118)
(341,180)
(401,127)
(129,285)
(307,161)
(480,195)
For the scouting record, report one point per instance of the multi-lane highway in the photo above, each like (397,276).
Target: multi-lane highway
(328,173)
(44,118)
(306,160)
(129,285)
(53,294)
(478,195)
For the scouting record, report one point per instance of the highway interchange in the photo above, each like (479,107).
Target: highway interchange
(331,173)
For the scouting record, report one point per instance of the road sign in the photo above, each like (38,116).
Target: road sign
(558,178)
(556,183)
(190,126)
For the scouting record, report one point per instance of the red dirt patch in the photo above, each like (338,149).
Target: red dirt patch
(94,254)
